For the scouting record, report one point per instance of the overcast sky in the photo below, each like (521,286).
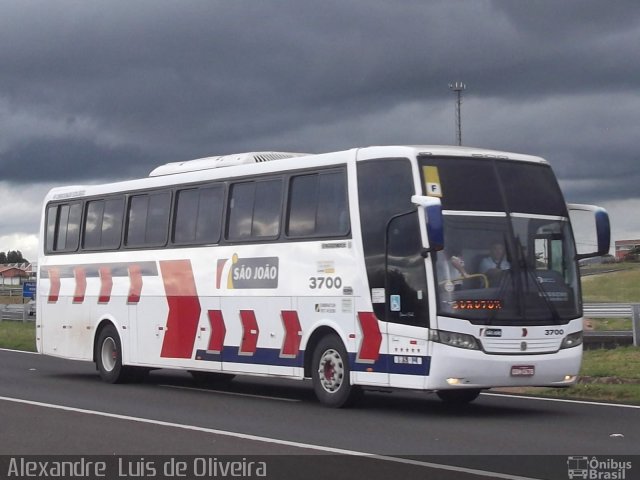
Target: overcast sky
(95,91)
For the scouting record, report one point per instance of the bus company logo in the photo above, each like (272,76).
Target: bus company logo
(593,468)
(256,272)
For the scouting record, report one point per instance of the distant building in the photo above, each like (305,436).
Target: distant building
(625,246)
(14,274)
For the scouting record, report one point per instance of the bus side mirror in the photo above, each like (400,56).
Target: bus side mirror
(434,220)
(591,229)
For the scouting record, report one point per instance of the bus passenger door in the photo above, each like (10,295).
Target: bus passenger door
(406,305)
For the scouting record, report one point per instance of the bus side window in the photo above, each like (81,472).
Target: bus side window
(254,210)
(52,216)
(63,227)
(148,219)
(198,215)
(318,205)
(103,224)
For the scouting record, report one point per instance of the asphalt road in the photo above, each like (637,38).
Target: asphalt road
(51,406)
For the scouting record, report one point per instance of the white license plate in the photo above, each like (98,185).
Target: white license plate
(523,371)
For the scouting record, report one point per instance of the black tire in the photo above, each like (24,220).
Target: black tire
(330,373)
(109,359)
(211,378)
(458,397)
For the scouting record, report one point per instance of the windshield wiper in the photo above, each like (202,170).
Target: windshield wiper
(504,282)
(502,287)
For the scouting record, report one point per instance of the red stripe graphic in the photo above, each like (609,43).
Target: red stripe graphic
(293,334)
(218,331)
(106,284)
(371,338)
(135,288)
(184,309)
(81,284)
(54,285)
(250,333)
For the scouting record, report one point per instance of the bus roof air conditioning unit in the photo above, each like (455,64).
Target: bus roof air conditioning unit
(221,161)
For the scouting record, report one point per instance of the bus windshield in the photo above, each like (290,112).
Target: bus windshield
(509,255)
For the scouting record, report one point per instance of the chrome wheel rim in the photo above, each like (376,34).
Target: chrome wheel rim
(331,371)
(109,354)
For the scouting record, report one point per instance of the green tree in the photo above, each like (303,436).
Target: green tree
(3,258)
(14,256)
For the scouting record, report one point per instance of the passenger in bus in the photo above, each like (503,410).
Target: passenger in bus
(451,265)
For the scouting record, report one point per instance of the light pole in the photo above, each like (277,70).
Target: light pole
(458,87)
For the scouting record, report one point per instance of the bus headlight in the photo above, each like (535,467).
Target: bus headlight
(454,339)
(572,340)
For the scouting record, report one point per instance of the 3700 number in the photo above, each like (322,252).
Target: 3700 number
(554,332)
(325,282)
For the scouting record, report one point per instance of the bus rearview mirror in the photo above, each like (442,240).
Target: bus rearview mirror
(433,219)
(591,229)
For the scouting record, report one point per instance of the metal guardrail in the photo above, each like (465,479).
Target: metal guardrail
(614,310)
(11,291)
(608,310)
(21,312)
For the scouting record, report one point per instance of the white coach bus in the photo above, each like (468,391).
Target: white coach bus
(434,268)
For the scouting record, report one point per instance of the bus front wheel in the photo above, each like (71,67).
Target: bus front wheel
(331,374)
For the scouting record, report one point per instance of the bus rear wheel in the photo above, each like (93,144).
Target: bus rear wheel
(458,397)
(109,359)
(331,374)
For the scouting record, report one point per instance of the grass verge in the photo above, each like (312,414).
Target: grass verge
(606,375)
(607,324)
(18,335)
(622,286)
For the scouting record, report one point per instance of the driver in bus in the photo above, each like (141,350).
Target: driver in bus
(494,265)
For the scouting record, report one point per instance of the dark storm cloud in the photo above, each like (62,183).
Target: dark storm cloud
(71,160)
(112,89)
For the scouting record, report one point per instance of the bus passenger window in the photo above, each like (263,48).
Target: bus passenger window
(254,210)
(63,227)
(266,212)
(318,205)
(148,219)
(198,215)
(103,224)
(112,223)
(52,211)
(93,224)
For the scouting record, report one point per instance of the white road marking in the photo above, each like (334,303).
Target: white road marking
(245,436)
(18,351)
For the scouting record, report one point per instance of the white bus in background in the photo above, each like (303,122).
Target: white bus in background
(342,267)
